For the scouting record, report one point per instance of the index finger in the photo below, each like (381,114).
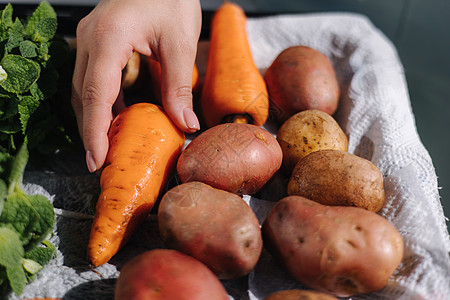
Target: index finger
(100,88)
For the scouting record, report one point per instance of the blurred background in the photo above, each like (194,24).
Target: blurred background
(420,30)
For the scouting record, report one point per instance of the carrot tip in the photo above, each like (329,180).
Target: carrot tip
(245,119)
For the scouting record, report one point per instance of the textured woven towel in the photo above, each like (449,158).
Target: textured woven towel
(374,112)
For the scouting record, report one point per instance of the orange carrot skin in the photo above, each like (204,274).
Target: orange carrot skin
(154,68)
(144,147)
(233,84)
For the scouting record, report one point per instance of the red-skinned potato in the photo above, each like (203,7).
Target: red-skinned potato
(334,177)
(334,249)
(216,227)
(235,157)
(302,78)
(297,294)
(163,274)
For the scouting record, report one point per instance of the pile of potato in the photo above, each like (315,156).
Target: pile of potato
(325,232)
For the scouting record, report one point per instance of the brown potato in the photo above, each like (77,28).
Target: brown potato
(334,177)
(235,157)
(296,294)
(306,132)
(302,78)
(335,249)
(163,274)
(214,226)
(131,71)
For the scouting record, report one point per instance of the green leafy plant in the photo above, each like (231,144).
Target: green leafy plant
(33,62)
(34,92)
(26,221)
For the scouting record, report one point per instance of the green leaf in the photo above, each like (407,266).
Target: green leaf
(34,69)
(5,165)
(46,219)
(45,30)
(28,49)
(18,168)
(42,255)
(22,73)
(6,22)
(43,53)
(27,106)
(43,11)
(11,254)
(11,250)
(17,278)
(4,36)
(36,91)
(15,36)
(19,215)
(31,266)
(31,216)
(3,193)
(6,15)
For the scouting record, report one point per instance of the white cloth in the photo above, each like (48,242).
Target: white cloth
(376,115)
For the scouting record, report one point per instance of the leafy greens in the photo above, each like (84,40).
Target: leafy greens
(33,63)
(34,87)
(26,221)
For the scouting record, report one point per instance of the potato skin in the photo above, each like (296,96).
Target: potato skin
(302,78)
(167,274)
(308,131)
(297,294)
(335,249)
(214,226)
(235,157)
(333,177)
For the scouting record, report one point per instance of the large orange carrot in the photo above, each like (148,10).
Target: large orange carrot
(154,68)
(144,148)
(233,86)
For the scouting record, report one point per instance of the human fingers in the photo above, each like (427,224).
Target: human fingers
(176,89)
(101,56)
(101,88)
(77,88)
(177,53)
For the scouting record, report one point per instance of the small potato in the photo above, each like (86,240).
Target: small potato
(309,131)
(235,157)
(333,177)
(334,249)
(131,71)
(214,226)
(299,295)
(302,78)
(163,274)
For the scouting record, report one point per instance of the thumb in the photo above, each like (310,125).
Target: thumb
(177,65)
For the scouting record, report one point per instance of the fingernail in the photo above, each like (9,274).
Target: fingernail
(191,119)
(90,161)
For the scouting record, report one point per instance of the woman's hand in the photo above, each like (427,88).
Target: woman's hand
(167,30)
